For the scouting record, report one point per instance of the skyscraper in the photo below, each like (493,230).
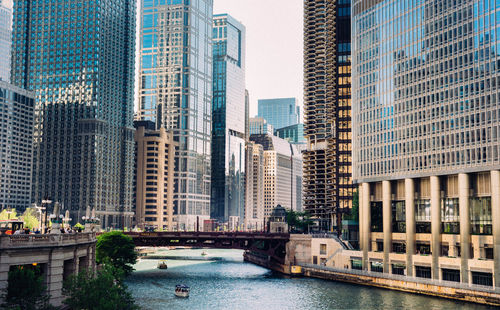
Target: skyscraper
(254,204)
(327,110)
(229,111)
(176,93)
(279,112)
(79,61)
(5,40)
(426,128)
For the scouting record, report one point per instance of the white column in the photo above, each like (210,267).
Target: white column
(365,221)
(463,201)
(435,225)
(410,224)
(495,214)
(387,222)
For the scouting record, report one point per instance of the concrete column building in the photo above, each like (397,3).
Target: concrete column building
(254,204)
(154,177)
(426,139)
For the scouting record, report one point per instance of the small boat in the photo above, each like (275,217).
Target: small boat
(204,253)
(162,265)
(182,290)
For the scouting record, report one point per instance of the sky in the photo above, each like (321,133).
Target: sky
(274,63)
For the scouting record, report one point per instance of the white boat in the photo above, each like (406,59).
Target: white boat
(182,290)
(204,253)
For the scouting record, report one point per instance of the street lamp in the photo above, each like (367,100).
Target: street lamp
(45,202)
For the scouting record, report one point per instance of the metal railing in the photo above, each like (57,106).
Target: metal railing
(451,284)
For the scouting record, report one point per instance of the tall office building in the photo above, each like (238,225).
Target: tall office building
(16,146)
(175,91)
(154,177)
(328,186)
(279,112)
(259,126)
(229,112)
(5,40)
(293,134)
(254,203)
(426,114)
(78,59)
(282,173)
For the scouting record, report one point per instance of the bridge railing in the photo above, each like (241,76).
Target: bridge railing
(183,234)
(18,241)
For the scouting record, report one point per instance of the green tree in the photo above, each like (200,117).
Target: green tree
(118,250)
(298,221)
(30,218)
(8,214)
(354,216)
(98,291)
(25,289)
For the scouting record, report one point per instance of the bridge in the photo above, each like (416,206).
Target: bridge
(270,247)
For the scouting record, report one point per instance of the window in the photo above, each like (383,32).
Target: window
(376,216)
(376,266)
(398,217)
(423,272)
(450,216)
(482,278)
(480,216)
(322,249)
(398,269)
(451,275)
(356,264)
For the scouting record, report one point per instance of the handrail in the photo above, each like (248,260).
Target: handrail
(450,284)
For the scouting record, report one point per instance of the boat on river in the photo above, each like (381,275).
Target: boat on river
(182,290)
(204,253)
(162,265)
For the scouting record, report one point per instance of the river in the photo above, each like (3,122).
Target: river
(224,281)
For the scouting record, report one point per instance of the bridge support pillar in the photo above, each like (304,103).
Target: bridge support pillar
(4,276)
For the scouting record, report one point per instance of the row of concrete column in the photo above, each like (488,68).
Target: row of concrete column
(464,192)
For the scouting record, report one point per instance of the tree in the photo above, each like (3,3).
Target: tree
(118,250)
(8,214)
(298,221)
(99,291)
(30,218)
(25,289)
(354,216)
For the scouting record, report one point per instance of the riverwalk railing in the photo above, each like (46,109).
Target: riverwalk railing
(45,240)
(451,284)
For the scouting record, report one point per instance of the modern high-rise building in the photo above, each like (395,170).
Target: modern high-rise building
(78,59)
(254,204)
(175,91)
(259,126)
(282,173)
(154,177)
(293,133)
(5,40)
(229,111)
(426,127)
(328,186)
(16,146)
(279,112)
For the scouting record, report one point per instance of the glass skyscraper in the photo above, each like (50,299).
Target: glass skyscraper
(279,112)
(328,186)
(175,91)
(5,40)
(78,58)
(228,119)
(426,127)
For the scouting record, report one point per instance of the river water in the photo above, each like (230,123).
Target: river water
(223,281)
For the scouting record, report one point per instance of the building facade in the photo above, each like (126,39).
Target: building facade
(175,92)
(259,126)
(279,112)
(79,62)
(293,134)
(5,40)
(154,177)
(229,112)
(16,141)
(282,174)
(254,202)
(426,138)
(328,188)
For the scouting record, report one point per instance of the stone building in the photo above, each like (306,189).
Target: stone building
(154,177)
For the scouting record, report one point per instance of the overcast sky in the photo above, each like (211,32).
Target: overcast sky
(274,46)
